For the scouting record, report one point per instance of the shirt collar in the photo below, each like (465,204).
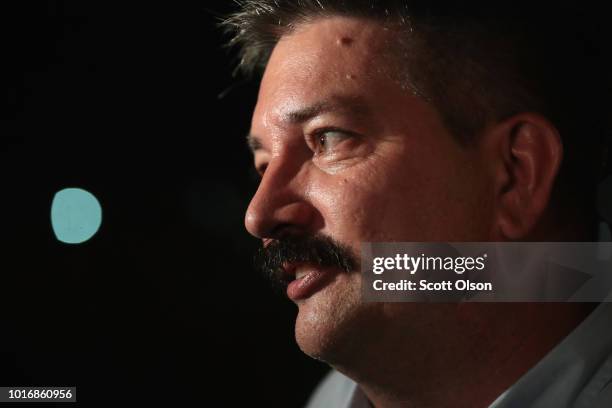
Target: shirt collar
(571,374)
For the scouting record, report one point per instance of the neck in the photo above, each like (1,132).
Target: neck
(459,355)
(565,225)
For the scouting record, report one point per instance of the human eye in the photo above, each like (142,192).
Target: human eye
(258,171)
(329,140)
(255,175)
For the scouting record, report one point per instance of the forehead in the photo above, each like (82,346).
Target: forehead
(355,39)
(326,57)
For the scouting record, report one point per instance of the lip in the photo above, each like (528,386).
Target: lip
(310,283)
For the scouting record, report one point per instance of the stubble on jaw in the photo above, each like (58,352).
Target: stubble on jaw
(334,324)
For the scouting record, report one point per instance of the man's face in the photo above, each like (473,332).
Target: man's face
(348,153)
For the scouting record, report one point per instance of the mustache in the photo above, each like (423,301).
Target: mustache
(316,250)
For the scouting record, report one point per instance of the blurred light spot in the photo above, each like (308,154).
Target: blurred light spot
(76,215)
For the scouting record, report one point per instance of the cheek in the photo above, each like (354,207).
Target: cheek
(354,203)
(393,201)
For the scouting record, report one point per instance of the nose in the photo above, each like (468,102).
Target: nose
(280,205)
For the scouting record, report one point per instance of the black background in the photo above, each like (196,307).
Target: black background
(162,305)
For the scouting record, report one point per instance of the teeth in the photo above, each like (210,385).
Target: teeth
(301,273)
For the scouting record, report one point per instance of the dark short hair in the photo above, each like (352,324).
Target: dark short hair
(476,63)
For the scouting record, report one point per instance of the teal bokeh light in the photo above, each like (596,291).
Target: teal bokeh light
(76,215)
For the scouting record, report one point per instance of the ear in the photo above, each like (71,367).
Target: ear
(526,153)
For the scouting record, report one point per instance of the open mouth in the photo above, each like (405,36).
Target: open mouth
(305,280)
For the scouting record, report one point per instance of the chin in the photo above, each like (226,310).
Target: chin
(331,323)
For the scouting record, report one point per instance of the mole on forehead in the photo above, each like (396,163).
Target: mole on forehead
(344,41)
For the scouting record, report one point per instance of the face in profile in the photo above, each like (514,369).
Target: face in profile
(348,155)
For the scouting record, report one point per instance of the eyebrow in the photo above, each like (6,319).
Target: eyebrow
(253,143)
(347,104)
